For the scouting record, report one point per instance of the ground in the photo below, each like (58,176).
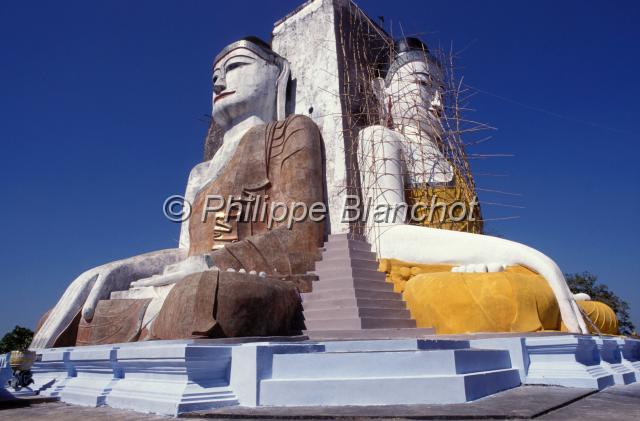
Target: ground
(618,403)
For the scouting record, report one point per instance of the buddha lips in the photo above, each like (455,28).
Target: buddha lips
(257,208)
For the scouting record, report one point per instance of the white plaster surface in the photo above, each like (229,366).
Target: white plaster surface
(517,351)
(311,29)
(630,353)
(611,361)
(386,377)
(51,371)
(172,377)
(95,372)
(571,361)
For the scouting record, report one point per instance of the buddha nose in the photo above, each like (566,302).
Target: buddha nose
(219,85)
(436,103)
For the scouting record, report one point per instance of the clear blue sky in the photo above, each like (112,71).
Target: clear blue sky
(100,108)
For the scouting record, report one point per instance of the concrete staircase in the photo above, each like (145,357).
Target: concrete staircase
(383,373)
(351,295)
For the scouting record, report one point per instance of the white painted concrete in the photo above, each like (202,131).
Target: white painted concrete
(94,374)
(611,361)
(630,352)
(570,361)
(172,377)
(317,89)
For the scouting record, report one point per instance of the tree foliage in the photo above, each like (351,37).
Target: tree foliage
(16,340)
(588,283)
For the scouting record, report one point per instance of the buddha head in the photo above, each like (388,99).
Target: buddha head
(249,79)
(411,91)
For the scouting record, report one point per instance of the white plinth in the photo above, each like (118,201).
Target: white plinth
(93,373)
(51,371)
(611,361)
(571,361)
(630,354)
(171,378)
(174,377)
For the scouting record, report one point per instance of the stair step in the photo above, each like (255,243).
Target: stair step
(346,282)
(343,336)
(346,245)
(457,388)
(349,272)
(416,342)
(333,303)
(205,404)
(346,263)
(393,363)
(358,323)
(347,236)
(354,312)
(340,293)
(345,254)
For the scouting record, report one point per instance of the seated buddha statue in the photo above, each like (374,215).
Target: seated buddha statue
(402,161)
(263,154)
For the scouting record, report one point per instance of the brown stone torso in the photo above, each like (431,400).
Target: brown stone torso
(278,162)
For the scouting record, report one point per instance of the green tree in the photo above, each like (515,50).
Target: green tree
(16,340)
(588,283)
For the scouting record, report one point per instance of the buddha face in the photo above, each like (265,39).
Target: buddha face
(244,85)
(414,95)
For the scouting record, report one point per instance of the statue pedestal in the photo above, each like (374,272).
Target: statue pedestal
(51,371)
(175,377)
(611,361)
(571,361)
(630,350)
(94,371)
(172,378)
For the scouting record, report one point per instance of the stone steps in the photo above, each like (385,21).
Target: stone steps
(338,254)
(396,363)
(436,389)
(347,312)
(340,273)
(345,262)
(338,303)
(348,282)
(358,323)
(348,293)
(351,294)
(369,334)
(223,396)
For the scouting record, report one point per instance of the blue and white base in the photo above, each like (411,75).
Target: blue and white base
(174,377)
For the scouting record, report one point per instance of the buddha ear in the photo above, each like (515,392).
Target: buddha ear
(281,84)
(378,88)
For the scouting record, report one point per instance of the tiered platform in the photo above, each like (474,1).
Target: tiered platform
(176,377)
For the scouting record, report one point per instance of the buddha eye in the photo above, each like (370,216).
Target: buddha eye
(235,65)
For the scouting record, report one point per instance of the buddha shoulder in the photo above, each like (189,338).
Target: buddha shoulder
(296,131)
(377,132)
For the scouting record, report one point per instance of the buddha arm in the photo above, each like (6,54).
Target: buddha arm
(97,284)
(429,245)
(197,178)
